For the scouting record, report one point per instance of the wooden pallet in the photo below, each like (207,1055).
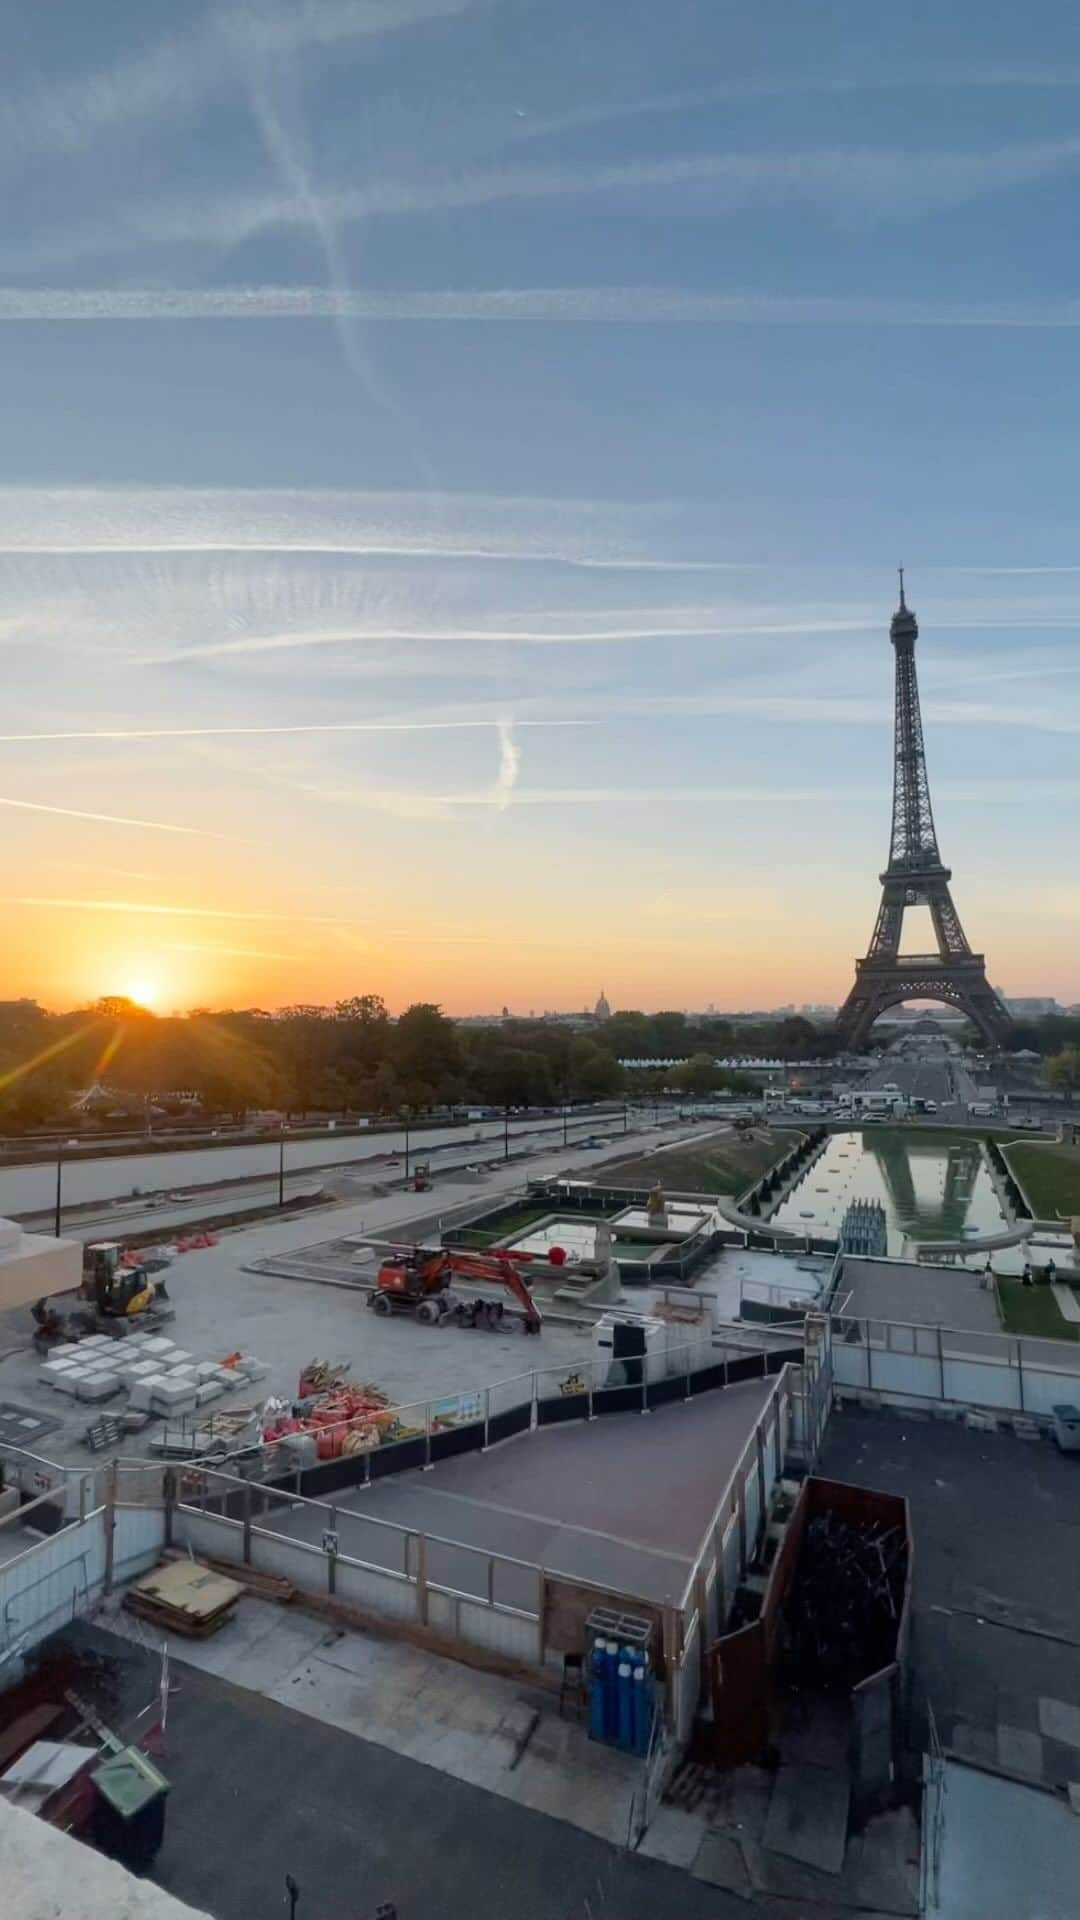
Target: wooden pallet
(182,1597)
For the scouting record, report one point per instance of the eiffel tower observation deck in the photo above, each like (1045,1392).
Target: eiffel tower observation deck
(916,876)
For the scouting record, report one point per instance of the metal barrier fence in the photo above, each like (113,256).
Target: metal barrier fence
(997,1371)
(484,1598)
(423,1434)
(56,1578)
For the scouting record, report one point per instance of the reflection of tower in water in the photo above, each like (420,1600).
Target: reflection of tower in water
(945,1218)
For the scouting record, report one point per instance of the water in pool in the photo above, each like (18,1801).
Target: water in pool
(931,1189)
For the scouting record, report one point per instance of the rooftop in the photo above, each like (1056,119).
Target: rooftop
(916,1295)
(623,1502)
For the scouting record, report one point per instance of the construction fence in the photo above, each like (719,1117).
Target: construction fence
(434,1430)
(63,1574)
(924,1366)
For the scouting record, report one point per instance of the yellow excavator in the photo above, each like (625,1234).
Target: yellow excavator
(115,1290)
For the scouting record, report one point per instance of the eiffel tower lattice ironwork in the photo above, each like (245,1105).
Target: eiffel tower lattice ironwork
(916,876)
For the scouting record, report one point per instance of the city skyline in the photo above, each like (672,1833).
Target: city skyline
(456,459)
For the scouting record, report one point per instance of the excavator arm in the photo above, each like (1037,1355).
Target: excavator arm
(500,1269)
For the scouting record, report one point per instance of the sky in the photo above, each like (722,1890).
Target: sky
(456,455)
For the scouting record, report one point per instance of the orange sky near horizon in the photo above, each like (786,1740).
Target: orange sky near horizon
(69,951)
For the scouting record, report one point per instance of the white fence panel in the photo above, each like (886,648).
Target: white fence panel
(293,1560)
(907,1373)
(981,1384)
(849,1364)
(51,1582)
(209,1533)
(772,1473)
(377,1592)
(503,1633)
(753,1509)
(730,1557)
(1044,1391)
(138,1539)
(688,1685)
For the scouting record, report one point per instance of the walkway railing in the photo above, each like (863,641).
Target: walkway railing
(996,1371)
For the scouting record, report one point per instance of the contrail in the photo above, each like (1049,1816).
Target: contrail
(209,733)
(189,913)
(106,819)
(509,765)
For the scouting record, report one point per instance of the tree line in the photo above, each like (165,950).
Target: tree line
(352,1058)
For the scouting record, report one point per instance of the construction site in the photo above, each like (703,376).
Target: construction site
(552,1495)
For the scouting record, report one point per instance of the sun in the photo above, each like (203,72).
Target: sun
(143,992)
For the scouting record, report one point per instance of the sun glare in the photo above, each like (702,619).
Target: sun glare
(143,992)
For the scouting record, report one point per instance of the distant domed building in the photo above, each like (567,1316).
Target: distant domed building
(602,1011)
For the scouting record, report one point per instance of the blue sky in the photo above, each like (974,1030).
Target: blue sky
(455,461)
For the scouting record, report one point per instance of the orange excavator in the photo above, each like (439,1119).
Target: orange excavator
(418,1280)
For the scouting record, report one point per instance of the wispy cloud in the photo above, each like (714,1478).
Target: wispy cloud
(103,819)
(337,726)
(893,181)
(164,82)
(230,953)
(160,908)
(467,527)
(692,623)
(589,305)
(801,708)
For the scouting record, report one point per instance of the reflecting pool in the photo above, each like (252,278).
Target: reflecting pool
(932,1187)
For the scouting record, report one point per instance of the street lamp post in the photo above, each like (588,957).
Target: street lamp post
(405,1117)
(59,1188)
(564,1132)
(506,1131)
(281,1170)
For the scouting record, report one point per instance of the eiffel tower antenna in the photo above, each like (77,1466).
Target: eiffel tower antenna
(916,876)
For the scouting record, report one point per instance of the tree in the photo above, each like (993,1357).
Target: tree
(1062,1070)
(386,1090)
(700,1074)
(594,1073)
(230,1074)
(669,1035)
(513,1077)
(426,1055)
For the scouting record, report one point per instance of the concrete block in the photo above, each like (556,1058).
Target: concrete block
(141,1398)
(95,1387)
(54,1370)
(230,1378)
(158,1345)
(173,1396)
(248,1364)
(208,1390)
(178,1358)
(68,1381)
(171,1400)
(206,1370)
(143,1369)
(980,1422)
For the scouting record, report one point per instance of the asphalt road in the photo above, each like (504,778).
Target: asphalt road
(31,1189)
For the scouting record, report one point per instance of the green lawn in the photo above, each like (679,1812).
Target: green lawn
(1049,1175)
(1034,1311)
(508,1229)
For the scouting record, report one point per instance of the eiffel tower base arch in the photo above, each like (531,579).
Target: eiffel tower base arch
(881,984)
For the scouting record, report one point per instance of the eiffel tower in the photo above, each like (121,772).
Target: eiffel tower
(915,876)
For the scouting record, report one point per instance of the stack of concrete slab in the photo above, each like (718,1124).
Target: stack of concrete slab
(159,1376)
